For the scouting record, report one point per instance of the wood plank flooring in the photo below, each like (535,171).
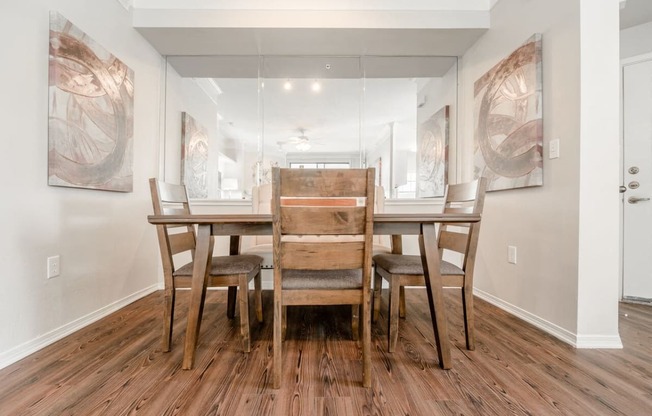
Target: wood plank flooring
(116,367)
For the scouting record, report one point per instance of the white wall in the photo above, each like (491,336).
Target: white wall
(544,222)
(636,40)
(109,254)
(599,205)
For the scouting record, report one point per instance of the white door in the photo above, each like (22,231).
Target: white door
(637,176)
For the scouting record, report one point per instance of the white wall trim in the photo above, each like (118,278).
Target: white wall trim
(21,351)
(598,341)
(577,341)
(552,329)
(636,59)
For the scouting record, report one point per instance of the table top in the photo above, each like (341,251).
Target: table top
(260,219)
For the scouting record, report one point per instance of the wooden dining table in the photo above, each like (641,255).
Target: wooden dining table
(237,225)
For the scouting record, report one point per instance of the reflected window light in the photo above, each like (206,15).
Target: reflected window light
(303,146)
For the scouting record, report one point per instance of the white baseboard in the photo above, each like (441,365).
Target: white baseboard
(577,341)
(21,351)
(599,341)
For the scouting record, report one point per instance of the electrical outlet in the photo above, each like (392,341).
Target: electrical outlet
(54,266)
(511,254)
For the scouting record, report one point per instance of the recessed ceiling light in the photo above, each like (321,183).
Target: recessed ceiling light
(287,85)
(316,86)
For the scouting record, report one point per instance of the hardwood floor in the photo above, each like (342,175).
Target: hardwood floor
(116,367)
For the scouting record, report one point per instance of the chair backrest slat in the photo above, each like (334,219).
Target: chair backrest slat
(454,241)
(325,183)
(333,256)
(169,192)
(322,220)
(463,192)
(181,242)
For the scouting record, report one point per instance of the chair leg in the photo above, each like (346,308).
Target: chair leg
(378,286)
(355,322)
(243,300)
(366,338)
(278,317)
(394,290)
(284,323)
(168,319)
(469,330)
(231,300)
(259,297)
(401,305)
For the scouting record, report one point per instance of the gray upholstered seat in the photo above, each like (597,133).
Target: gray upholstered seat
(322,279)
(411,265)
(225,265)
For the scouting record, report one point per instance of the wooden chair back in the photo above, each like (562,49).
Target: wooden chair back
(463,238)
(309,202)
(172,199)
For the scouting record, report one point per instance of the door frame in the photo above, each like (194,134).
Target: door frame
(623,63)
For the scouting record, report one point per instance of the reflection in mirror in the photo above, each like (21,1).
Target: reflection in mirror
(311,111)
(396,114)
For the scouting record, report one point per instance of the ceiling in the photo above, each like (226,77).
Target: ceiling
(635,12)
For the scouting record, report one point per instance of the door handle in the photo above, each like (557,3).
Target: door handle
(635,200)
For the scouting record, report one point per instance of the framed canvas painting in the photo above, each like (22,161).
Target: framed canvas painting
(194,157)
(432,155)
(90,123)
(509,120)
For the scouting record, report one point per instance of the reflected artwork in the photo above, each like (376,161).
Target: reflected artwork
(509,121)
(433,155)
(90,127)
(194,157)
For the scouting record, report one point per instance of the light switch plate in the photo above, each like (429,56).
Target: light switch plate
(511,254)
(553,150)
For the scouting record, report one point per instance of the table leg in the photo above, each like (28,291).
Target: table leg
(432,274)
(200,271)
(234,249)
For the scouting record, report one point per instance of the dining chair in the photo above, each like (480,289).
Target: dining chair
(261,245)
(308,204)
(407,270)
(225,271)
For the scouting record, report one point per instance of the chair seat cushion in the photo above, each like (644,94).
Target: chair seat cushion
(264,251)
(322,279)
(226,265)
(411,265)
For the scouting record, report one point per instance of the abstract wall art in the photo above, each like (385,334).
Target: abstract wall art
(194,157)
(90,127)
(509,120)
(432,155)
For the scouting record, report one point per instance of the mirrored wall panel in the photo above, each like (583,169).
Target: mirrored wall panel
(230,119)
